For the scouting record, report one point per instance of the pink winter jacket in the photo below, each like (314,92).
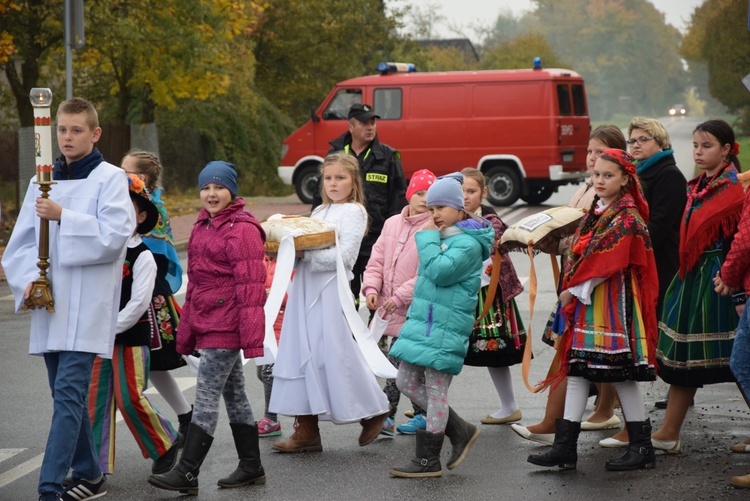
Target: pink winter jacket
(392,269)
(226,284)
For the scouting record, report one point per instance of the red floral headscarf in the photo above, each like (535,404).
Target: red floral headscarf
(625,161)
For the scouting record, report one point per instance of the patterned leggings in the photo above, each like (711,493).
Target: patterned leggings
(394,395)
(220,374)
(431,395)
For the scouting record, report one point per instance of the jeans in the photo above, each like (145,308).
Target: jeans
(740,359)
(70,442)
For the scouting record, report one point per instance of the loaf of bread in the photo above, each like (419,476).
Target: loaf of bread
(308,233)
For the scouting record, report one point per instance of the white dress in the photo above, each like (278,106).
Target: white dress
(319,369)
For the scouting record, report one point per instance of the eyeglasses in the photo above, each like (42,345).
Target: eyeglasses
(641,140)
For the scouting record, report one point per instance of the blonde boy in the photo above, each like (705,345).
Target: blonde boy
(91,218)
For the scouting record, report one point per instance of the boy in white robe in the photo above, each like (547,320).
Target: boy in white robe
(91,218)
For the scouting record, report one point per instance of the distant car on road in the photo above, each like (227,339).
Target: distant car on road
(678,110)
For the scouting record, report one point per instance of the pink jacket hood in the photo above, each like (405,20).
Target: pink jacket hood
(392,269)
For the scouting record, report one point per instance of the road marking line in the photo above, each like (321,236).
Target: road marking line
(36,462)
(21,470)
(9,453)
(9,297)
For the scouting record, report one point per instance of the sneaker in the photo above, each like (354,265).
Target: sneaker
(418,422)
(389,427)
(49,496)
(85,489)
(268,428)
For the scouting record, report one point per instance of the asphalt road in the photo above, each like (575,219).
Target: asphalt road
(495,469)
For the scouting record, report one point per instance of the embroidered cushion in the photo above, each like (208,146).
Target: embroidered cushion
(308,233)
(542,229)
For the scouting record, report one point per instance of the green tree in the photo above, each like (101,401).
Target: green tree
(148,54)
(623,48)
(29,32)
(718,38)
(303,48)
(520,53)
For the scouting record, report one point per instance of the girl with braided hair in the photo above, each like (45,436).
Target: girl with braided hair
(159,240)
(608,313)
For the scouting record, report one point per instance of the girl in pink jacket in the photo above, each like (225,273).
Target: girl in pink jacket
(388,282)
(222,317)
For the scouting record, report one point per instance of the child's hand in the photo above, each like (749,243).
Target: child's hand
(28,290)
(429,224)
(389,306)
(372,300)
(739,308)
(720,287)
(47,209)
(565,297)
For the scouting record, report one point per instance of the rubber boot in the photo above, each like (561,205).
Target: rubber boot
(426,462)
(640,453)
(564,451)
(249,471)
(184,422)
(184,477)
(462,436)
(306,438)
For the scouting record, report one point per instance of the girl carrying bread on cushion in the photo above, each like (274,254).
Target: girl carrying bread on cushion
(319,372)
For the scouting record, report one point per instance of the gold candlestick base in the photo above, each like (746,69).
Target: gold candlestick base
(40,296)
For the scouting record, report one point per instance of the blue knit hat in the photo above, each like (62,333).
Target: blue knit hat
(219,172)
(447,191)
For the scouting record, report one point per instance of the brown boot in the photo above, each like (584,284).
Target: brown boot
(306,438)
(371,428)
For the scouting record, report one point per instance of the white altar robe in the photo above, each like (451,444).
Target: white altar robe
(87,251)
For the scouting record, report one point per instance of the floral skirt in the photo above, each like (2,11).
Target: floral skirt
(167,312)
(697,330)
(500,338)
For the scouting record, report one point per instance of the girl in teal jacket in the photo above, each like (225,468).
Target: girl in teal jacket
(432,344)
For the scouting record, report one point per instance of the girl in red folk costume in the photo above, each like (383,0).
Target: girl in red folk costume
(697,328)
(608,303)
(222,317)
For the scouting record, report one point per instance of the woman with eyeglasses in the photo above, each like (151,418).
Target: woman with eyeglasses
(697,328)
(664,190)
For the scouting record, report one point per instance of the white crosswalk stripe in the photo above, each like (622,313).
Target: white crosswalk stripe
(35,463)
(19,471)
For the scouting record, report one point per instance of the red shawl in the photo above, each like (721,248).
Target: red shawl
(616,241)
(711,213)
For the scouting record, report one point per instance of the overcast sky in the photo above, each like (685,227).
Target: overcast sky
(466,12)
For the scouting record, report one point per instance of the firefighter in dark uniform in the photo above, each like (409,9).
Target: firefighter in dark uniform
(382,175)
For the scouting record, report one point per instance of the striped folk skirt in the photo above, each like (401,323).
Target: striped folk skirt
(697,328)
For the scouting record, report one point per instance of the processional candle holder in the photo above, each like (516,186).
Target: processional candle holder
(41,288)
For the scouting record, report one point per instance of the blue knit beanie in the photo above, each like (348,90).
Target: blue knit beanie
(219,172)
(447,191)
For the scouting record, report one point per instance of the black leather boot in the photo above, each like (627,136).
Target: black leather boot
(184,477)
(462,436)
(184,421)
(249,471)
(166,461)
(426,462)
(640,453)
(564,450)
